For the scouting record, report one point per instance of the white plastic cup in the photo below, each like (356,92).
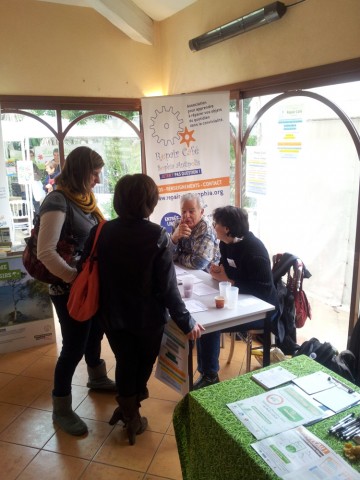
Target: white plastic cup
(223,289)
(188,284)
(232,297)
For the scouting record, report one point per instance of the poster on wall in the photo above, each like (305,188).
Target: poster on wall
(290,131)
(26,315)
(187,150)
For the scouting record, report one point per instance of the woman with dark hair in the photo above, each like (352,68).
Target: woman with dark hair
(138,290)
(245,263)
(72,202)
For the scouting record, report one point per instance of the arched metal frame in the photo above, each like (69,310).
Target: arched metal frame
(355,289)
(60,134)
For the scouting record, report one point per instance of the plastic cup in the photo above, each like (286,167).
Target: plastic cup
(188,284)
(223,289)
(219,302)
(232,298)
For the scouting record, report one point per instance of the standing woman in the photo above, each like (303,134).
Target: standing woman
(74,201)
(138,290)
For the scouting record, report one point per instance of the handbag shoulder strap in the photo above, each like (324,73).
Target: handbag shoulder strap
(98,230)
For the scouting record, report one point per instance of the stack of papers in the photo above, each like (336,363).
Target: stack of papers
(331,393)
(273,377)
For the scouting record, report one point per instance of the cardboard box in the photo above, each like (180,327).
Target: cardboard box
(26,314)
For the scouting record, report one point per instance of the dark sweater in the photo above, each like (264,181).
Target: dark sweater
(138,287)
(247,262)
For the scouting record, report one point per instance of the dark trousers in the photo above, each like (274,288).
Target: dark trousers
(135,357)
(78,339)
(208,347)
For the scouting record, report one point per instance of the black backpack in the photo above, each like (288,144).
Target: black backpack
(324,353)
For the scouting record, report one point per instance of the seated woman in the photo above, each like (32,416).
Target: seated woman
(245,263)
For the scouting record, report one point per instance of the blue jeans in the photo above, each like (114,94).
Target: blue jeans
(208,347)
(78,339)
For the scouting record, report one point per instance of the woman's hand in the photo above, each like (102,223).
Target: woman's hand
(218,273)
(195,332)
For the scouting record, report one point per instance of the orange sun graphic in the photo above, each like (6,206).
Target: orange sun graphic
(187,136)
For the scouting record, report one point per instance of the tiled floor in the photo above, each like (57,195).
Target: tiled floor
(31,447)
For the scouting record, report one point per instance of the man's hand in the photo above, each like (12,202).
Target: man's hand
(182,230)
(195,332)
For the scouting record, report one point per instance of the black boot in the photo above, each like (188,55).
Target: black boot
(135,424)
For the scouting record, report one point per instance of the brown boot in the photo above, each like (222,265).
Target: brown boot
(135,424)
(118,414)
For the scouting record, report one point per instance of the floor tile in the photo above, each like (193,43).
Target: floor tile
(14,458)
(155,477)
(44,400)
(8,413)
(158,389)
(99,471)
(98,406)
(32,428)
(80,376)
(42,368)
(166,460)
(5,378)
(85,446)
(117,451)
(16,362)
(23,390)
(52,466)
(159,413)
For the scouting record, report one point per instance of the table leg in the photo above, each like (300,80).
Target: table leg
(190,365)
(267,341)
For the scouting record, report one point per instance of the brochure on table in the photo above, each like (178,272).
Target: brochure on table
(172,363)
(276,410)
(297,454)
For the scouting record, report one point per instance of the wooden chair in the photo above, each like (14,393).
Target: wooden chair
(247,337)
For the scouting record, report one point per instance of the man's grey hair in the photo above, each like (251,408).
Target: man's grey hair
(190,197)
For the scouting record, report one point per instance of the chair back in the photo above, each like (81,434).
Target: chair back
(19,210)
(20,217)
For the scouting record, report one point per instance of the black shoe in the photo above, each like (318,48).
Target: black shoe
(206,380)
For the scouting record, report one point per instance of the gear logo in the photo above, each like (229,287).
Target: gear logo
(166,125)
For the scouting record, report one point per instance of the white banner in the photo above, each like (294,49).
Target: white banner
(187,149)
(5,212)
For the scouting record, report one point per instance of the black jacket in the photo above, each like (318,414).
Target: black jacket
(247,263)
(138,287)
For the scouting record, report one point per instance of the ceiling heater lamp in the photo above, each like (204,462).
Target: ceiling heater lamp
(270,13)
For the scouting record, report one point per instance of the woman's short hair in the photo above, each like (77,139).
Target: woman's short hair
(234,218)
(135,196)
(79,166)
